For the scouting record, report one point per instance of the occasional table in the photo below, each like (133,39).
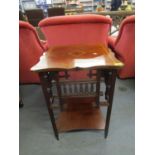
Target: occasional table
(78,112)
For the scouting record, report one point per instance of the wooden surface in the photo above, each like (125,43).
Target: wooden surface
(77,57)
(80,116)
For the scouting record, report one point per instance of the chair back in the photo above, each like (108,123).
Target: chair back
(76,29)
(125,47)
(30,50)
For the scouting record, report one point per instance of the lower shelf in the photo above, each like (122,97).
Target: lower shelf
(80,116)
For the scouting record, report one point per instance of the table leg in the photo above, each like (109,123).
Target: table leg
(98,77)
(110,78)
(45,83)
(59,91)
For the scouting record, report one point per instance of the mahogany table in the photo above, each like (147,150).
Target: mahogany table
(78,112)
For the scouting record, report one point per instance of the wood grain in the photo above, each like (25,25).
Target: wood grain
(80,116)
(77,57)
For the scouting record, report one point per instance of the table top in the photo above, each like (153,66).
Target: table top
(77,57)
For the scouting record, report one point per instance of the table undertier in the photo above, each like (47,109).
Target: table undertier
(80,116)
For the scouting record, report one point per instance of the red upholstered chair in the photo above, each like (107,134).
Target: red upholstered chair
(124,47)
(30,50)
(74,30)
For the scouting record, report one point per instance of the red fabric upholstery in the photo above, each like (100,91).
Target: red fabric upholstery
(124,47)
(30,50)
(76,29)
(111,41)
(76,19)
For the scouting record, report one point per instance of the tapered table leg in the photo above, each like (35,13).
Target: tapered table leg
(110,78)
(45,83)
